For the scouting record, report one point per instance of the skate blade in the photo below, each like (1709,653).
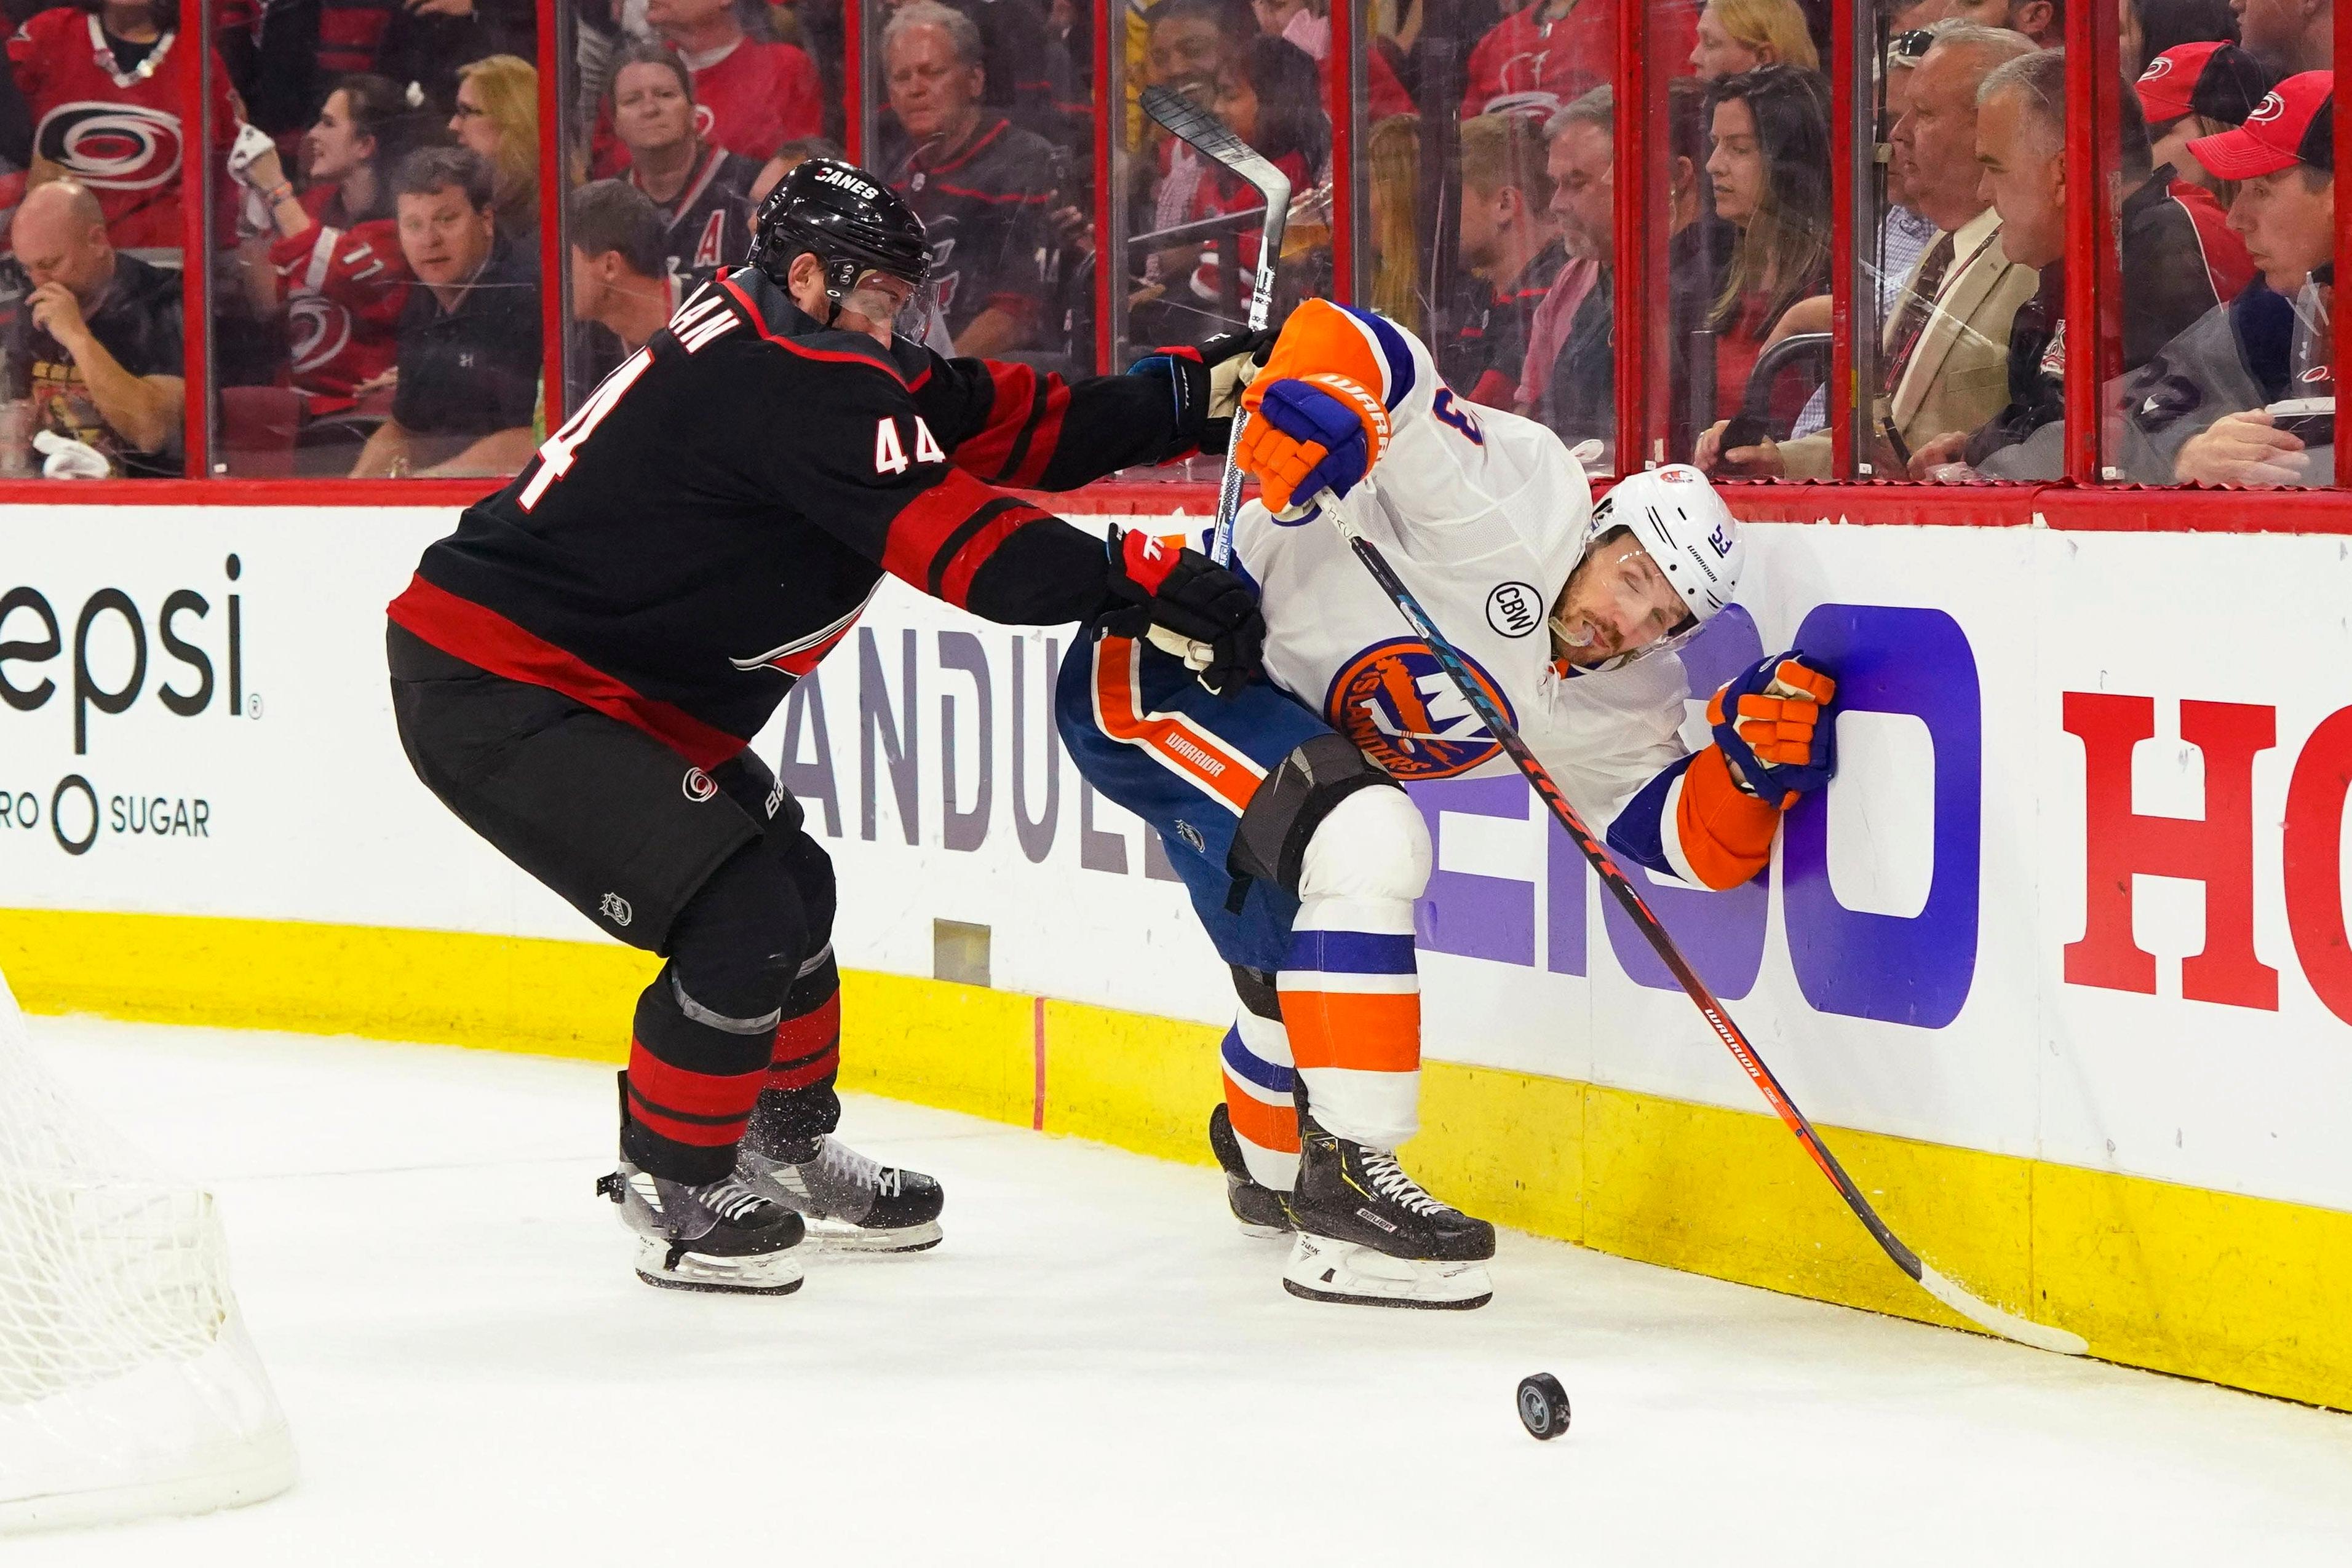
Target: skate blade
(839,1239)
(767,1274)
(1322,1270)
(1258,1232)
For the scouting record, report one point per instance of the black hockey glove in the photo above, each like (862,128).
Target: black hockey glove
(1185,603)
(1206,383)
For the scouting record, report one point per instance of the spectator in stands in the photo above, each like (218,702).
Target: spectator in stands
(105,98)
(1736,35)
(750,97)
(431,41)
(1569,378)
(1507,239)
(1570,382)
(2196,90)
(469,359)
(622,275)
(789,157)
(2043,22)
(1307,24)
(1943,354)
(2288,36)
(498,116)
(1536,60)
(1266,94)
(981,186)
(2150,27)
(2198,411)
(1771,166)
(1904,234)
(95,349)
(333,260)
(2179,262)
(702,193)
(1015,57)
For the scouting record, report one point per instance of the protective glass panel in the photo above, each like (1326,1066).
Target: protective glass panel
(1742,154)
(374,275)
(93,285)
(2227,240)
(979,115)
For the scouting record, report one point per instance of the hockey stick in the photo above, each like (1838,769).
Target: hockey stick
(1982,1314)
(1215,142)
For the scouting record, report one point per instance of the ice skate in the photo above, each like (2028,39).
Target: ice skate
(1368,1234)
(1258,1207)
(851,1203)
(722,1235)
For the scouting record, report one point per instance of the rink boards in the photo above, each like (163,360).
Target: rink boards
(2064,943)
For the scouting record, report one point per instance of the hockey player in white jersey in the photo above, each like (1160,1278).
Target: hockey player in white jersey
(1281,806)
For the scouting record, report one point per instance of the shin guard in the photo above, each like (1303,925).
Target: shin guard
(1350,986)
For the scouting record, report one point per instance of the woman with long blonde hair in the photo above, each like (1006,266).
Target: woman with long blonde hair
(1736,35)
(498,116)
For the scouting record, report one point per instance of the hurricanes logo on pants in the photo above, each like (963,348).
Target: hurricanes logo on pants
(1399,706)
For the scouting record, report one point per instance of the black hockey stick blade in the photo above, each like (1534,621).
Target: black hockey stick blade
(1215,142)
(1984,1314)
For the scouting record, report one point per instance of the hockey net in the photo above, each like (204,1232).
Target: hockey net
(127,1384)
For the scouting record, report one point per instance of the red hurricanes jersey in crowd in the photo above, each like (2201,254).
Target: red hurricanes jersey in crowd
(2227,265)
(118,133)
(344,288)
(751,100)
(1529,64)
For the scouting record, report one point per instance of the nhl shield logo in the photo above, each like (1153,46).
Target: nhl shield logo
(1401,710)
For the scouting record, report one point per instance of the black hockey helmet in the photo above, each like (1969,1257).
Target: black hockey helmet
(851,221)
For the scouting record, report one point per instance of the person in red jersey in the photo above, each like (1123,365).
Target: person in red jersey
(106,106)
(750,97)
(1536,61)
(335,260)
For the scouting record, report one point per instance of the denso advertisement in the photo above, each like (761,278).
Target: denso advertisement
(2076,892)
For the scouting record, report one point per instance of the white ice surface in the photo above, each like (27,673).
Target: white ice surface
(1095,1368)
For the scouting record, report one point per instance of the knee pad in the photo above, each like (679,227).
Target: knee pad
(741,939)
(1374,844)
(1313,782)
(811,870)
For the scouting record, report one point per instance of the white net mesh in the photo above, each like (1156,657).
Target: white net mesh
(126,1385)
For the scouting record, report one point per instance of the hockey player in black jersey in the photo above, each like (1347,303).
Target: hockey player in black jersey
(578,671)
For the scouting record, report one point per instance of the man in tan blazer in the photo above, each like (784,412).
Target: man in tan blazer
(1943,356)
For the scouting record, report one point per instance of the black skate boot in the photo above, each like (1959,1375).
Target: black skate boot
(1368,1234)
(721,1236)
(851,1203)
(1257,1206)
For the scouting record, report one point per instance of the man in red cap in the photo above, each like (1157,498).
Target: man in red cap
(2198,89)
(2198,411)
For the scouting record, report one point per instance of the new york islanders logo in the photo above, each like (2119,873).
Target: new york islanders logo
(1398,704)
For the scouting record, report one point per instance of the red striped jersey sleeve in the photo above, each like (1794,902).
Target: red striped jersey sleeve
(1009,424)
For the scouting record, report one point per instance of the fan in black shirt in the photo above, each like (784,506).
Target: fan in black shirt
(95,349)
(470,338)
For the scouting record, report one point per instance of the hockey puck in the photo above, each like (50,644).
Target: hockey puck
(1543,1406)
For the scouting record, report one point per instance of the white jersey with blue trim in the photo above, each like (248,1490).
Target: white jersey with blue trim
(1484,515)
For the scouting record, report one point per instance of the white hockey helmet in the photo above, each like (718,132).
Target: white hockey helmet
(1678,518)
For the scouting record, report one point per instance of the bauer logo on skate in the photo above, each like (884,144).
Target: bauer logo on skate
(1396,703)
